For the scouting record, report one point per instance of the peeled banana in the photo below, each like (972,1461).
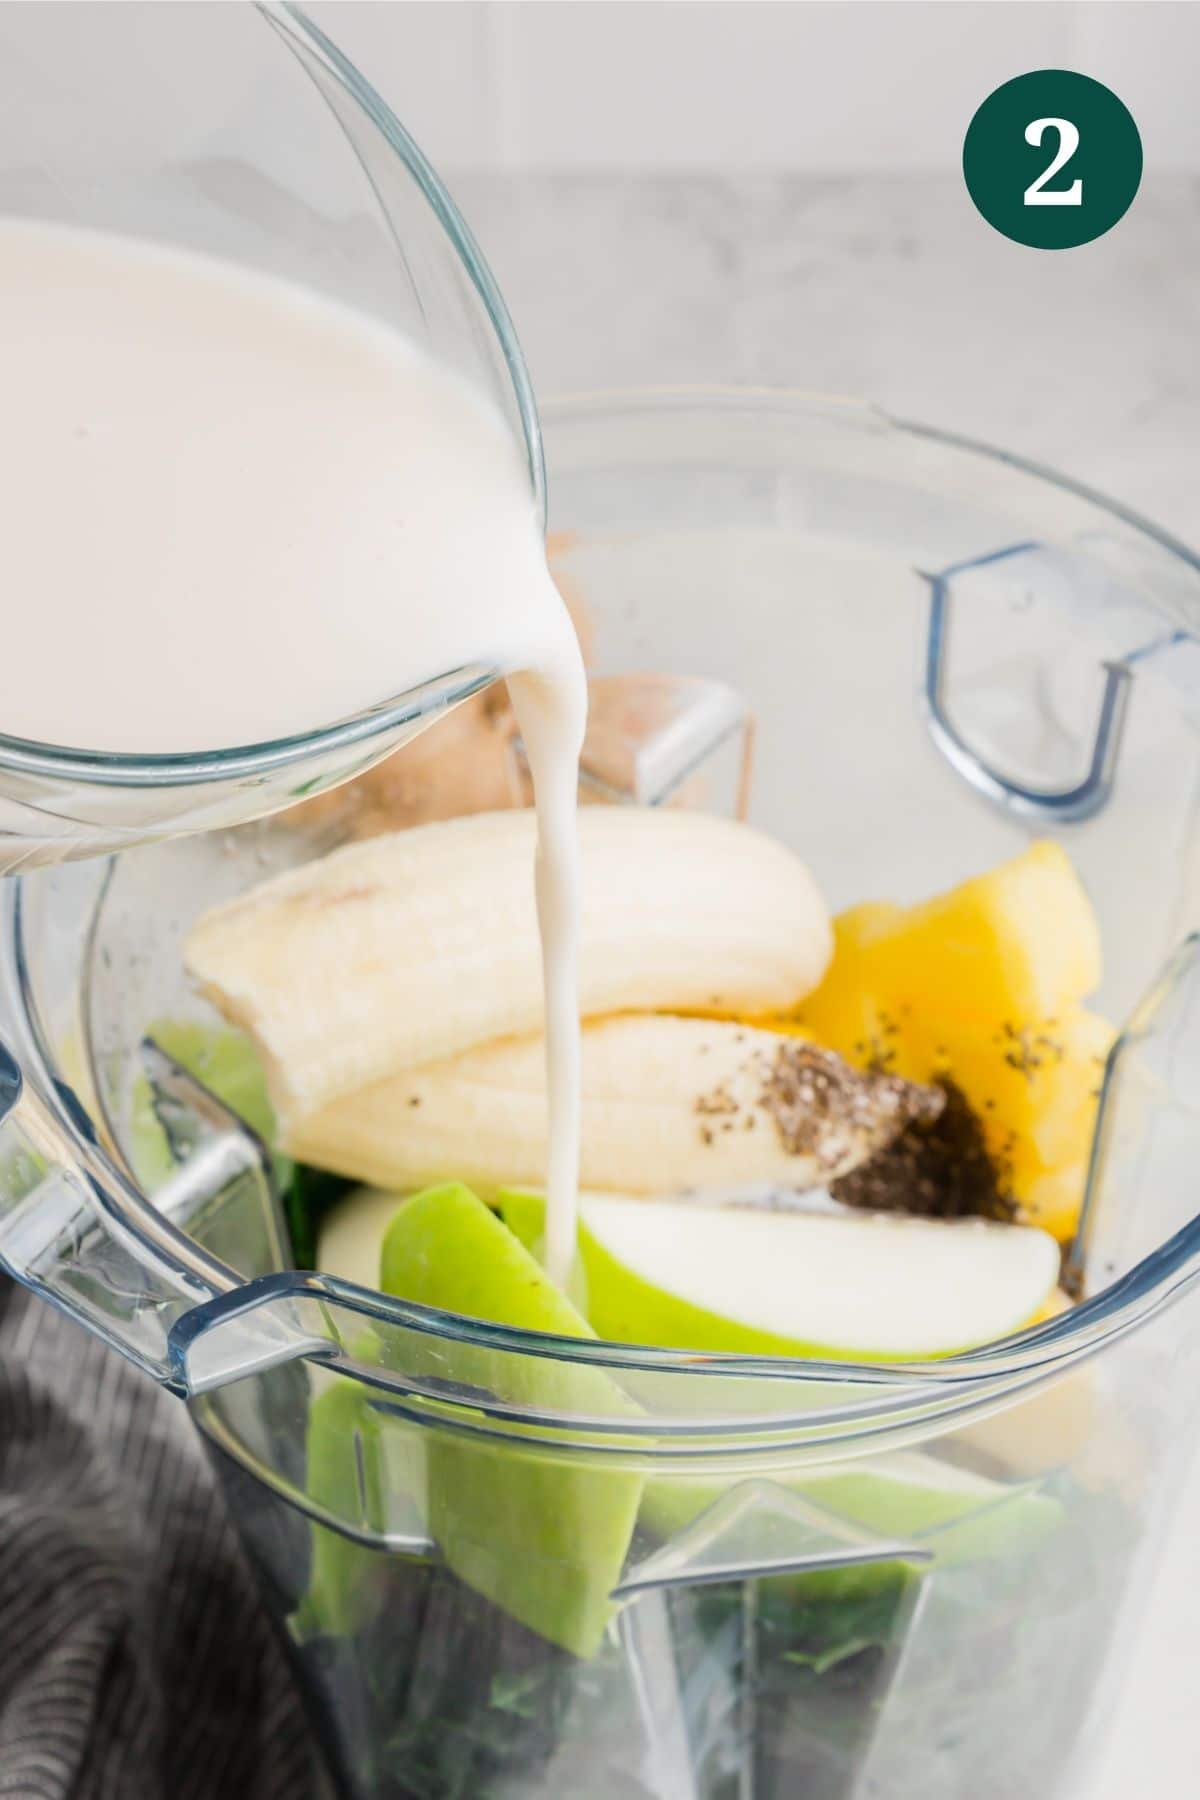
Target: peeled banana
(669,1104)
(414,947)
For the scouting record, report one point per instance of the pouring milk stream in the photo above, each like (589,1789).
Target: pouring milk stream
(236,510)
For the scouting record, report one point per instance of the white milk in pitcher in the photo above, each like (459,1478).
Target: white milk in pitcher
(234,510)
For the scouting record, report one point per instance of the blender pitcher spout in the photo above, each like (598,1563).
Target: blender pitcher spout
(60,805)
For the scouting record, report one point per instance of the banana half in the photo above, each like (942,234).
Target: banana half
(669,1104)
(412,948)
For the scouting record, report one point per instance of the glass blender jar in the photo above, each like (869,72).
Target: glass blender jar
(512,1565)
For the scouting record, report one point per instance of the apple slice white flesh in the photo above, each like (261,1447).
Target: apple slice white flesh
(672,1273)
(350,1236)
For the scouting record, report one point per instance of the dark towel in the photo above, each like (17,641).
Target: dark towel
(135,1660)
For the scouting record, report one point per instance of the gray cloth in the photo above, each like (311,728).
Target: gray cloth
(135,1660)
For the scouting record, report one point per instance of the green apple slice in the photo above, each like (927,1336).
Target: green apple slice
(228,1065)
(350,1237)
(347,1579)
(788,1283)
(365,1468)
(543,1534)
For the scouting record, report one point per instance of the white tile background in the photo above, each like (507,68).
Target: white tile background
(736,85)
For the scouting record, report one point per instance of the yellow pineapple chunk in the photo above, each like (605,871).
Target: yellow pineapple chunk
(845,1012)
(1038,1084)
(1051,1198)
(1011,946)
(982,986)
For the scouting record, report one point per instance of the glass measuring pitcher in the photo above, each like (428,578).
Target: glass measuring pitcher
(243,133)
(516,1566)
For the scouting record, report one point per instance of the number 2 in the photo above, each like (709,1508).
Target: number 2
(1037,193)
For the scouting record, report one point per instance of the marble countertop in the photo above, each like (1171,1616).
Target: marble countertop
(891,291)
(897,292)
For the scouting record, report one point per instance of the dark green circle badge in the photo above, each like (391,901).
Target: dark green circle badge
(1052,159)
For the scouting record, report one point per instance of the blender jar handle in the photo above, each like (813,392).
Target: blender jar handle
(76,1231)
(1049,807)
(1069,805)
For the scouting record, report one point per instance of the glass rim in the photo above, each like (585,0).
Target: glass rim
(894,1395)
(290,18)
(133,769)
(732,396)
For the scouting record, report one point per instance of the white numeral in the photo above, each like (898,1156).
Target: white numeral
(1036,193)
